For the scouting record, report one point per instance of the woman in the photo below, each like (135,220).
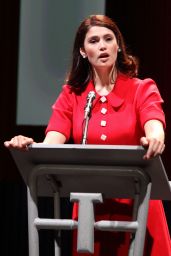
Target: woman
(125,111)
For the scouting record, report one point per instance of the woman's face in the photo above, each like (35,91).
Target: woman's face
(100,47)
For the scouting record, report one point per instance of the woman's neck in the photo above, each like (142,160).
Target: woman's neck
(104,81)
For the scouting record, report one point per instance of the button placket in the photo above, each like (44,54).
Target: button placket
(103,122)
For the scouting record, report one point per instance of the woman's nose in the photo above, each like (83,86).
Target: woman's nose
(102,45)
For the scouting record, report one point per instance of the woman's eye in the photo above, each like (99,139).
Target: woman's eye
(92,41)
(108,38)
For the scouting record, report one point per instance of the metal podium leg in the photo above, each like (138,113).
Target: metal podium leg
(33,236)
(33,216)
(57,233)
(134,218)
(138,243)
(57,216)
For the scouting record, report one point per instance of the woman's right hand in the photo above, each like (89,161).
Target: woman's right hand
(19,142)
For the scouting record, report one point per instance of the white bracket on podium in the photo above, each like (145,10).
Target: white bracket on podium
(86,172)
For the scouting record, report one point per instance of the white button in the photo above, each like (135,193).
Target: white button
(103,99)
(103,111)
(103,137)
(103,123)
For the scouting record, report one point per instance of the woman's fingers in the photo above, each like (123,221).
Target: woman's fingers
(155,147)
(19,142)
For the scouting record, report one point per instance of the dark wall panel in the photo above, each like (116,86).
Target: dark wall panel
(147,31)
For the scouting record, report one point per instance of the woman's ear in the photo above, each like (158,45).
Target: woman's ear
(82,52)
(119,48)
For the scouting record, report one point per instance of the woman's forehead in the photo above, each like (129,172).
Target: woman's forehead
(98,30)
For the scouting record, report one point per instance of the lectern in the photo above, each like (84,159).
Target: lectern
(86,174)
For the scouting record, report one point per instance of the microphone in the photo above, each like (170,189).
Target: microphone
(90,97)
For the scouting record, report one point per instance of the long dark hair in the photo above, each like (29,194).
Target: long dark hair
(81,71)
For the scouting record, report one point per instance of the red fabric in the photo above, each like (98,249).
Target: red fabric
(108,243)
(117,243)
(131,103)
(158,238)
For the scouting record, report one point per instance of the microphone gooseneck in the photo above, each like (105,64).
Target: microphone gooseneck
(90,97)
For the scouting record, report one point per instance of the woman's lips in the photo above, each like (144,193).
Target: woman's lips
(103,55)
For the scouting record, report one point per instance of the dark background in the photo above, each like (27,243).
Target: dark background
(146,26)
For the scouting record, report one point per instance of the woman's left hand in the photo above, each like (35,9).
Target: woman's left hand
(154,147)
(153,139)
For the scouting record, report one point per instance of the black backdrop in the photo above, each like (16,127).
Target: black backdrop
(146,28)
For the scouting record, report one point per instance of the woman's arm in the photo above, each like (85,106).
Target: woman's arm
(154,138)
(21,142)
(53,137)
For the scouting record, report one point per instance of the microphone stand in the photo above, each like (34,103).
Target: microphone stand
(86,121)
(87,114)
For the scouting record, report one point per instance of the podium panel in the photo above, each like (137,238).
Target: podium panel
(86,172)
(70,162)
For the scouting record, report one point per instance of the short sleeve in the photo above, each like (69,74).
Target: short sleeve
(62,111)
(149,102)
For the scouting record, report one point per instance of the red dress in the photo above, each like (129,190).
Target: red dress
(117,119)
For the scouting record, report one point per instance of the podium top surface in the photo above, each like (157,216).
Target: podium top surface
(86,154)
(93,155)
